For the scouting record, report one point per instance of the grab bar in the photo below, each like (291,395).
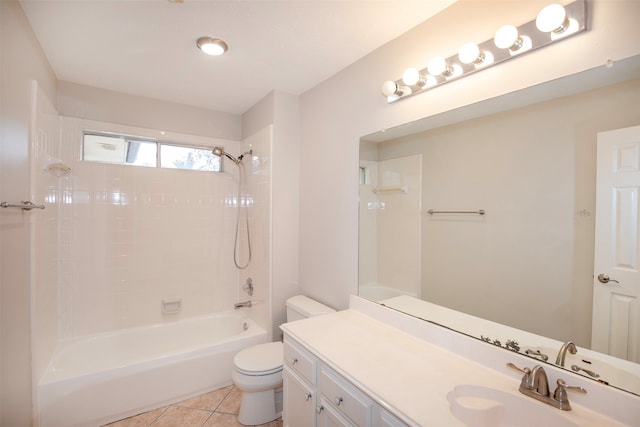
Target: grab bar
(479,212)
(27,206)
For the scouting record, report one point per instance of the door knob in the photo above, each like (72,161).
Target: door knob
(603,278)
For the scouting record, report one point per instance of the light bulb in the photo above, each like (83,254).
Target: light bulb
(412,77)
(212,46)
(470,53)
(438,67)
(552,18)
(507,38)
(390,88)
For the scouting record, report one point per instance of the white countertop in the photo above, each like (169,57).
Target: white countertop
(407,375)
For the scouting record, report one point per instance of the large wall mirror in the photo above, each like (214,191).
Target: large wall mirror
(510,240)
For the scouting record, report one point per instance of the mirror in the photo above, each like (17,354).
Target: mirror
(507,254)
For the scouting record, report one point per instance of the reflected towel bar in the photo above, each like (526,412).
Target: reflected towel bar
(404,189)
(479,212)
(27,206)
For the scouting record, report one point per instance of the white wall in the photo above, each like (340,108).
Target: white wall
(336,113)
(281,110)
(22,61)
(86,102)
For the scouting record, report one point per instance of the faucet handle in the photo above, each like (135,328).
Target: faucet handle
(560,395)
(526,378)
(525,371)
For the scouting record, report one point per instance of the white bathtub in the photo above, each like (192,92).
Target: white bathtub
(110,376)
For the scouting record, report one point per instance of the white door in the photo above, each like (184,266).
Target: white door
(616,291)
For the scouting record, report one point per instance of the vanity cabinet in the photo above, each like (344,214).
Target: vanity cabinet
(316,395)
(299,406)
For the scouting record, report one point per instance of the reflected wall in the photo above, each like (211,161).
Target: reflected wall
(528,262)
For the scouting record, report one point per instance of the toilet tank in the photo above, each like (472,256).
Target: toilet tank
(301,307)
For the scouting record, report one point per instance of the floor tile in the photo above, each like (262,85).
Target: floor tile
(231,404)
(141,420)
(218,419)
(218,408)
(178,416)
(208,401)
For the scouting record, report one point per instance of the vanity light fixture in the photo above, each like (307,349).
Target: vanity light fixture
(553,22)
(212,46)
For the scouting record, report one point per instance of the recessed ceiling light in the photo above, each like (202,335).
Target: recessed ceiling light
(212,46)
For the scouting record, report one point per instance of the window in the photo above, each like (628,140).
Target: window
(125,150)
(119,149)
(364,175)
(180,157)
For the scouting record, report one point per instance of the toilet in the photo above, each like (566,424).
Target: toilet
(257,370)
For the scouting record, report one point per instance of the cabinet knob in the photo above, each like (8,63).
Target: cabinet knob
(339,401)
(319,409)
(294,360)
(307,396)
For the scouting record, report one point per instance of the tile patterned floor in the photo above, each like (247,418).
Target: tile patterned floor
(218,408)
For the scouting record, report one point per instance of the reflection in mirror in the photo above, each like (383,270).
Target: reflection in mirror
(527,264)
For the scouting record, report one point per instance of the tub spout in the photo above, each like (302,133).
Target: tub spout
(243,304)
(567,346)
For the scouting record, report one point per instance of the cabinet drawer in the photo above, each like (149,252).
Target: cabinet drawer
(300,361)
(345,397)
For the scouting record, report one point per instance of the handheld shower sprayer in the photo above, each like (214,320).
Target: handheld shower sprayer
(219,151)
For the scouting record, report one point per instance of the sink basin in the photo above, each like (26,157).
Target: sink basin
(478,406)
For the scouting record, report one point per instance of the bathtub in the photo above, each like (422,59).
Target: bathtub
(106,377)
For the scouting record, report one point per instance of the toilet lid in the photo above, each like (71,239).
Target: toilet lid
(262,358)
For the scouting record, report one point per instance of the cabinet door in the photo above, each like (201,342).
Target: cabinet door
(299,401)
(385,419)
(328,416)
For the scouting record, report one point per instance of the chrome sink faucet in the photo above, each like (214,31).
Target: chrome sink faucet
(536,385)
(562,354)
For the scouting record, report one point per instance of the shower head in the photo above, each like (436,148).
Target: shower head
(218,151)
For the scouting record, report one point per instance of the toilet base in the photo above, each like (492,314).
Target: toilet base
(260,407)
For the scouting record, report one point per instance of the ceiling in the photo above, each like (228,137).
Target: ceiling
(148,47)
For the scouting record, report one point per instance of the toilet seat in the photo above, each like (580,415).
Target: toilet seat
(259,360)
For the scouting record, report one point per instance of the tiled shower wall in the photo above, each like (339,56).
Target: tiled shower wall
(390,223)
(132,236)
(258,188)
(46,187)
